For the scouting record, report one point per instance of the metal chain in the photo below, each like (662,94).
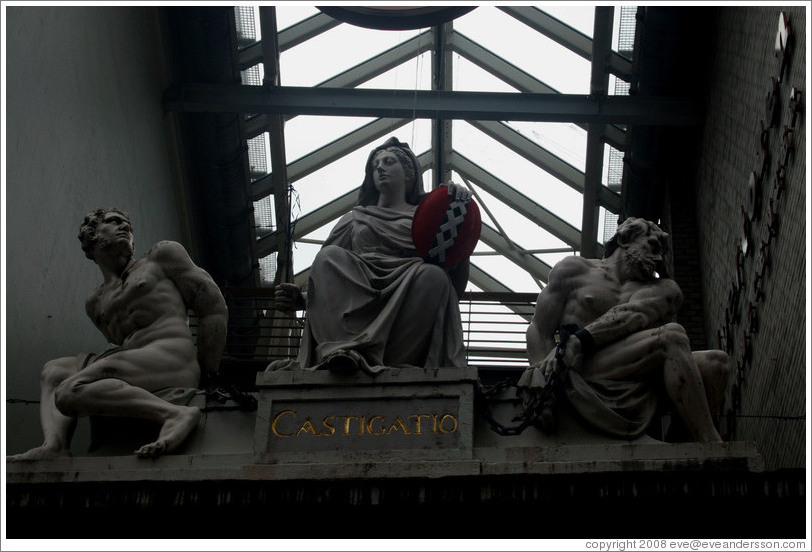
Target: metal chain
(539,397)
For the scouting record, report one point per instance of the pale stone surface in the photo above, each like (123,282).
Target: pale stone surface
(141,308)
(371,300)
(224,445)
(619,344)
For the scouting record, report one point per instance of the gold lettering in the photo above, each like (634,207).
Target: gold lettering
(417,422)
(398,423)
(374,425)
(276,421)
(307,427)
(326,423)
(369,426)
(453,421)
(347,423)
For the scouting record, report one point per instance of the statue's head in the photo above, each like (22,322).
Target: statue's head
(414,179)
(634,231)
(87,231)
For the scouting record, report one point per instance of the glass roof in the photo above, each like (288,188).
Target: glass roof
(498,149)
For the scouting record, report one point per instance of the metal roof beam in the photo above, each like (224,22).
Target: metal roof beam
(518,79)
(361,73)
(430,104)
(441,127)
(545,160)
(537,268)
(567,36)
(288,38)
(485,281)
(539,156)
(276,132)
(517,201)
(327,154)
(599,85)
(382,62)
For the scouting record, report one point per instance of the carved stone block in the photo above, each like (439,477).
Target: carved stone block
(402,413)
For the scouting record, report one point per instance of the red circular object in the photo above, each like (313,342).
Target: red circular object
(445,232)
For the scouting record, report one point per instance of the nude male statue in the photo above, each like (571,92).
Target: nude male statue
(141,308)
(623,350)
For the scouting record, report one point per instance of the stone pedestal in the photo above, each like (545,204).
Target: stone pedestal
(400,414)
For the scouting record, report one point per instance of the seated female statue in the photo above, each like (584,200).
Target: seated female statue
(371,300)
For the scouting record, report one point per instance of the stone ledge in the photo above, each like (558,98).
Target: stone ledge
(570,459)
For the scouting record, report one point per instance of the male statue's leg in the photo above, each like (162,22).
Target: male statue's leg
(715,367)
(684,383)
(121,384)
(57,428)
(114,397)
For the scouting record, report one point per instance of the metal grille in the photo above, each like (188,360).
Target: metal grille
(257,158)
(494,326)
(626,30)
(246,26)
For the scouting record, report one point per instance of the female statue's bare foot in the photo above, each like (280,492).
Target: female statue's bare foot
(41,452)
(173,433)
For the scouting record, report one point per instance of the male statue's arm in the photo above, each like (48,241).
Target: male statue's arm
(649,307)
(203,296)
(549,310)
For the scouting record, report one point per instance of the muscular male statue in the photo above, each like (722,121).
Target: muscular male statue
(141,308)
(623,350)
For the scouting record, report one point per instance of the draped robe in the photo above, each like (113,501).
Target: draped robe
(370,292)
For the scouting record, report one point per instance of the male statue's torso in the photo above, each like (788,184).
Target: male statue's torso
(594,289)
(141,307)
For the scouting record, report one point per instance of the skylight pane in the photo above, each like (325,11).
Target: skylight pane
(287,16)
(519,229)
(414,74)
(519,173)
(581,18)
(506,273)
(470,77)
(564,140)
(329,183)
(335,51)
(307,133)
(529,50)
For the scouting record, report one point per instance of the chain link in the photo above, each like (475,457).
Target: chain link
(538,399)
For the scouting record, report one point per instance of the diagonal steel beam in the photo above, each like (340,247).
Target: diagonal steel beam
(329,153)
(382,62)
(567,36)
(485,281)
(545,160)
(326,213)
(288,38)
(537,268)
(517,201)
(361,73)
(518,79)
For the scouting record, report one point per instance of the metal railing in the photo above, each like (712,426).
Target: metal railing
(493,324)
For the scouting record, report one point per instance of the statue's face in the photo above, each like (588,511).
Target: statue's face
(114,230)
(388,174)
(644,256)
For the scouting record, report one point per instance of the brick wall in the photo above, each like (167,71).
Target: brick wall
(767,393)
